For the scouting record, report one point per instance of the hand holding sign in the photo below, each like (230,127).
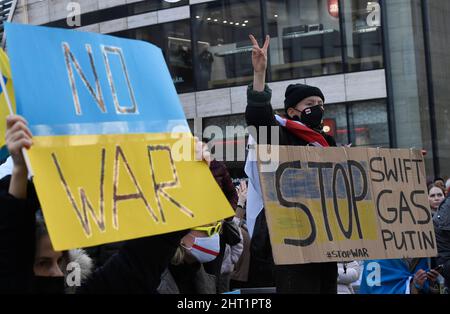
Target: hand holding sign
(18,137)
(202,152)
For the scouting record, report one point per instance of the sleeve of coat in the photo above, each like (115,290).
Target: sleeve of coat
(443,244)
(442,230)
(352,273)
(137,267)
(17,242)
(259,112)
(218,169)
(236,250)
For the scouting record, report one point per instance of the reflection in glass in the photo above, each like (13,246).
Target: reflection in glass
(335,123)
(118,11)
(368,124)
(174,39)
(362,20)
(366,121)
(223,46)
(306,39)
(227,137)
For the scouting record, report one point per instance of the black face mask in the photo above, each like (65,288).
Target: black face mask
(48,285)
(312,117)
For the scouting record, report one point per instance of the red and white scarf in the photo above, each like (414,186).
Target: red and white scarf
(303,132)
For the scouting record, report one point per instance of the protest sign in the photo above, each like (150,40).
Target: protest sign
(112,154)
(344,204)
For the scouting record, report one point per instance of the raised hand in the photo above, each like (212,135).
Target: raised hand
(259,54)
(202,152)
(242,193)
(18,136)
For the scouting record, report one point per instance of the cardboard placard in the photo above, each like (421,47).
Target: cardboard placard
(344,204)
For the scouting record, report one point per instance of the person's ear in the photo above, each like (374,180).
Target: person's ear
(292,112)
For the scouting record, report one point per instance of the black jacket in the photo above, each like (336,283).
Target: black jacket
(136,268)
(17,241)
(441,222)
(259,113)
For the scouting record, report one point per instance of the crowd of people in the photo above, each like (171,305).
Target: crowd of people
(220,257)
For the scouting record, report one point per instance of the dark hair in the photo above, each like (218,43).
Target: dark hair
(41,228)
(439,179)
(41,231)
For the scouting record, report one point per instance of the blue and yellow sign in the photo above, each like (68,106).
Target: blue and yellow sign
(112,154)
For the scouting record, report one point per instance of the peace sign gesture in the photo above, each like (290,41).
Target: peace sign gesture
(259,54)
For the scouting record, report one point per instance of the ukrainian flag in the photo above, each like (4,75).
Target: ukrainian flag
(4,111)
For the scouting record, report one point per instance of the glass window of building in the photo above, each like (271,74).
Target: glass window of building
(363,35)
(223,55)
(335,123)
(362,123)
(369,124)
(119,11)
(227,137)
(306,39)
(174,39)
(147,6)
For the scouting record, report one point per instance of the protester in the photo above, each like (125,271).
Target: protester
(51,268)
(223,179)
(436,196)
(136,268)
(239,276)
(231,258)
(447,187)
(186,273)
(348,274)
(303,124)
(197,264)
(441,222)
(399,276)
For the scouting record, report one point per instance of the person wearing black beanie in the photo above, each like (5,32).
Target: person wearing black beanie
(305,105)
(295,93)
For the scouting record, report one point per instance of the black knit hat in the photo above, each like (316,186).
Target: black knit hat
(295,93)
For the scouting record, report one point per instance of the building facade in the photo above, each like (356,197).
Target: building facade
(383,65)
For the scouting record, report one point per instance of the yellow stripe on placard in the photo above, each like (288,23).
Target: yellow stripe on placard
(294,223)
(96,189)
(5,70)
